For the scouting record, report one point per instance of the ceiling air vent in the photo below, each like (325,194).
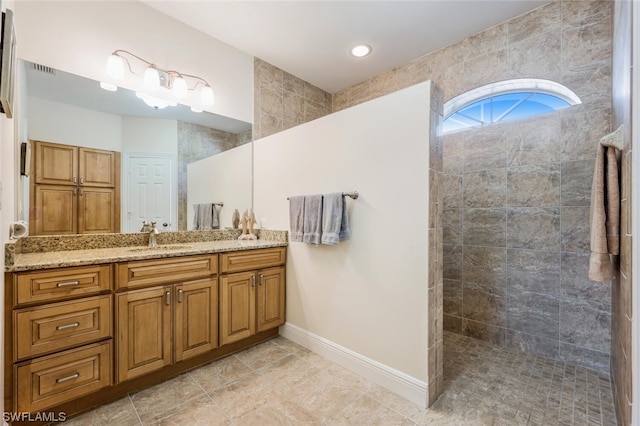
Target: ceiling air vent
(45,69)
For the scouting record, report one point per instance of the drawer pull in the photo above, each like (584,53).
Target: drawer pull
(180,292)
(65,327)
(168,296)
(261,279)
(68,284)
(66,379)
(253,281)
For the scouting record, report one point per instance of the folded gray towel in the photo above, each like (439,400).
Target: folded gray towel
(332,212)
(296,218)
(215,217)
(312,219)
(345,231)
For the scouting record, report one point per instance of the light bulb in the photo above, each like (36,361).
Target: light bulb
(151,78)
(206,96)
(115,67)
(108,86)
(361,50)
(154,101)
(179,87)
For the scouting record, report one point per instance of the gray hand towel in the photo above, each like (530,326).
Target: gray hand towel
(296,218)
(312,219)
(215,217)
(345,231)
(207,215)
(332,212)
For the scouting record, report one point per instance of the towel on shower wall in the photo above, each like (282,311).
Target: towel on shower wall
(312,219)
(604,214)
(613,203)
(332,216)
(296,218)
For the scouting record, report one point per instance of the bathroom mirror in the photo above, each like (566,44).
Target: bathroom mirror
(69,109)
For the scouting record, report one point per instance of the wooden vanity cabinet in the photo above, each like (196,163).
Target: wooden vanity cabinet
(58,336)
(74,190)
(167,321)
(254,300)
(78,337)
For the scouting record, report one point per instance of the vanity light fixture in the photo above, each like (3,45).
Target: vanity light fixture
(157,81)
(361,50)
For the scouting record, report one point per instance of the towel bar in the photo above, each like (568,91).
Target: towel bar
(352,194)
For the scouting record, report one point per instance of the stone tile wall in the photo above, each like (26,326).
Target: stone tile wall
(196,142)
(282,100)
(516,196)
(621,294)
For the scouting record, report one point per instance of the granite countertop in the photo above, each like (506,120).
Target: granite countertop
(57,259)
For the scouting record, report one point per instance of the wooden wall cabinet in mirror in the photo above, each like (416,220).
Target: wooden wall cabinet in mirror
(74,190)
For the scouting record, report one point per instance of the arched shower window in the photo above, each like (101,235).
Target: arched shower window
(505,101)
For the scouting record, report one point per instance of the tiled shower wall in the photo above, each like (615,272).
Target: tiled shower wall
(282,100)
(621,294)
(196,142)
(516,196)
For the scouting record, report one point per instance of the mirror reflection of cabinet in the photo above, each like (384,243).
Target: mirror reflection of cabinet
(74,190)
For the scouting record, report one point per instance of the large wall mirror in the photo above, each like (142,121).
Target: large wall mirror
(203,157)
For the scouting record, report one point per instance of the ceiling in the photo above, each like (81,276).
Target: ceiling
(312,39)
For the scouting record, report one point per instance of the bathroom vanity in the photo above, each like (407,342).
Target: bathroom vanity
(84,327)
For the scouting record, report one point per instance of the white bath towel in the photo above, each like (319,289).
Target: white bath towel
(333,206)
(296,218)
(312,219)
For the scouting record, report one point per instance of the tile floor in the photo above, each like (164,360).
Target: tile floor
(281,383)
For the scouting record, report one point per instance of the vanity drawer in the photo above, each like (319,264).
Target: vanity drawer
(62,325)
(168,270)
(56,284)
(238,261)
(58,378)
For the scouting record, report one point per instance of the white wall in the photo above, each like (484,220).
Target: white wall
(77,37)
(10,133)
(71,125)
(369,293)
(153,135)
(222,177)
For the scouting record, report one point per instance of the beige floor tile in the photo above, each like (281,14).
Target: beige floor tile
(156,401)
(366,411)
(281,383)
(220,373)
(117,413)
(201,411)
(396,403)
(260,355)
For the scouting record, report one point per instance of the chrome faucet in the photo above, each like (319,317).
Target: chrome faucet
(152,234)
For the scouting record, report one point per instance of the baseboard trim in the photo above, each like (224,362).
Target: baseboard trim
(396,381)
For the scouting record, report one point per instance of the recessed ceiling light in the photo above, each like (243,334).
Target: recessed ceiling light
(361,50)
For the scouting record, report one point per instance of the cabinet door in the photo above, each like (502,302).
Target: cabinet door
(144,331)
(55,164)
(271,298)
(97,168)
(237,307)
(196,318)
(54,210)
(96,210)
